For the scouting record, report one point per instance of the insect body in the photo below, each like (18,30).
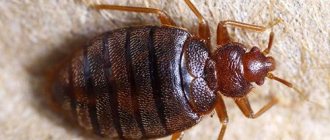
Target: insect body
(150,81)
(134,82)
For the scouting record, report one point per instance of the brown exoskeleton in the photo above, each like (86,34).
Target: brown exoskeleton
(152,81)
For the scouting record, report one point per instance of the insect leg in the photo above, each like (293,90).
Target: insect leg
(222,114)
(244,105)
(203,29)
(163,17)
(222,33)
(177,136)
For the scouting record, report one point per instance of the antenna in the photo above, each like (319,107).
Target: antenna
(271,76)
(290,85)
(270,43)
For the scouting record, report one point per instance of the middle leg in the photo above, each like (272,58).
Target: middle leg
(203,29)
(220,108)
(162,16)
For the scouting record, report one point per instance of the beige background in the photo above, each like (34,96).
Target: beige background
(35,33)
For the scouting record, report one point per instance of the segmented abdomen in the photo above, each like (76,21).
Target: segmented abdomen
(127,84)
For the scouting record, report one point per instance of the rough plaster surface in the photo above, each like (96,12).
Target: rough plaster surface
(35,33)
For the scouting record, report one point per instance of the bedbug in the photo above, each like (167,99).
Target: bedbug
(153,81)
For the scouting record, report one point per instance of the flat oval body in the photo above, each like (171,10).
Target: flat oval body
(132,83)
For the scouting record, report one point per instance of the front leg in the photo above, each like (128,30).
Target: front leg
(244,105)
(222,33)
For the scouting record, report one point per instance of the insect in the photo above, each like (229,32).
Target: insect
(153,81)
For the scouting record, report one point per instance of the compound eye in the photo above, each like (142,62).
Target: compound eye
(255,49)
(270,63)
(260,82)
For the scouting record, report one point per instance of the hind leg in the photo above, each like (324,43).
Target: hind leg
(177,136)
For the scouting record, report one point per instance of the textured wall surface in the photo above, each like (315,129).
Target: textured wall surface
(35,33)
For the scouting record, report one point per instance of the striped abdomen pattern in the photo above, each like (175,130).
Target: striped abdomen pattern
(128,83)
